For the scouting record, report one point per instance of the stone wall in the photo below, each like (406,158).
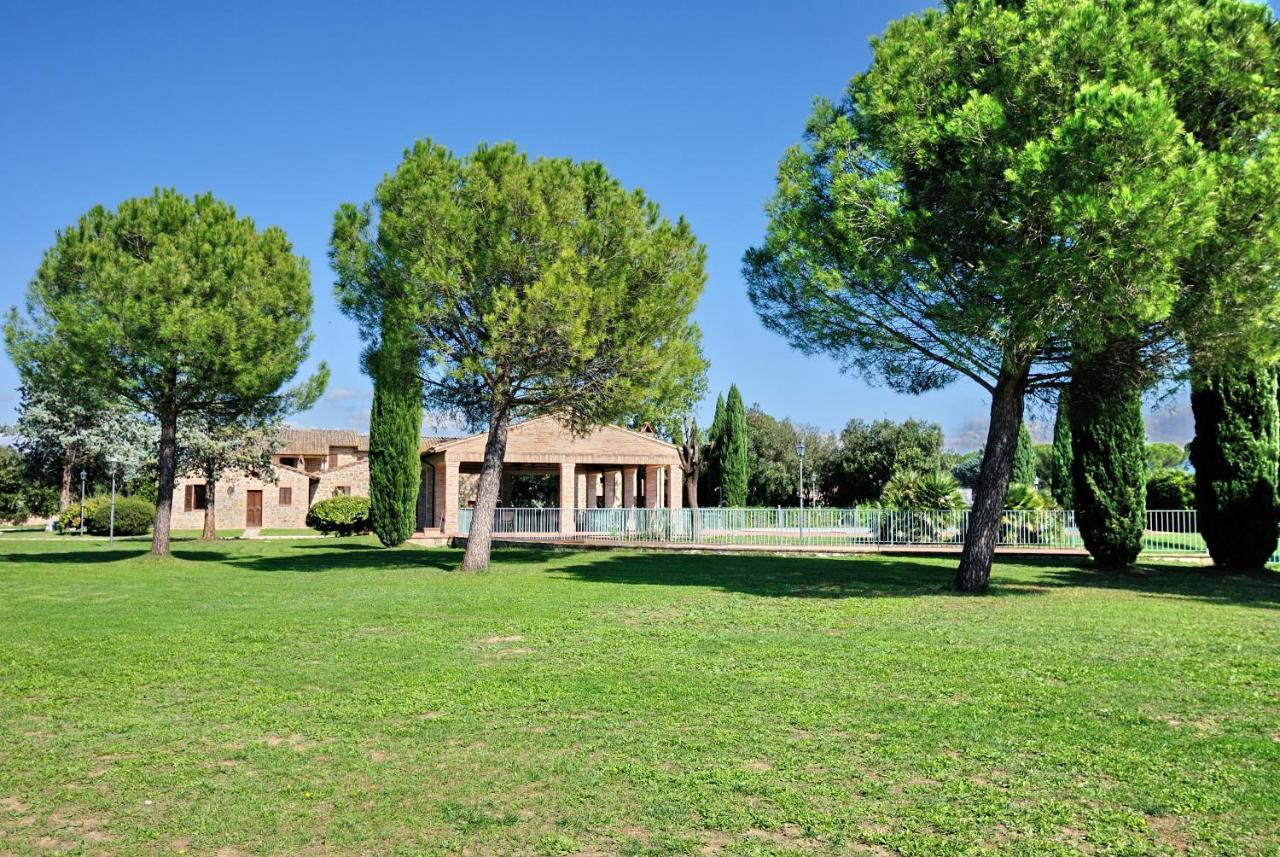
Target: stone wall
(231,501)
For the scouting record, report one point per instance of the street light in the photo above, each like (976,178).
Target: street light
(800,454)
(83,474)
(111,531)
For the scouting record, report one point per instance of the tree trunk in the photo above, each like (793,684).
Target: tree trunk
(480,536)
(167,471)
(68,473)
(980,538)
(210,532)
(691,488)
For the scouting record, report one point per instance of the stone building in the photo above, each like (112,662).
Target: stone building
(609,467)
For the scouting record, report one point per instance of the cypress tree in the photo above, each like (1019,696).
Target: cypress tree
(733,459)
(711,468)
(1024,459)
(1235,453)
(395,427)
(1108,444)
(1060,478)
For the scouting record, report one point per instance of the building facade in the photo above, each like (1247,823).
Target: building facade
(609,467)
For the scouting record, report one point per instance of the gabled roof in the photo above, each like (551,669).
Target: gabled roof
(446,443)
(305,441)
(317,441)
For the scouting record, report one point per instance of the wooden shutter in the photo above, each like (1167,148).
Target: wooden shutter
(188,499)
(286,496)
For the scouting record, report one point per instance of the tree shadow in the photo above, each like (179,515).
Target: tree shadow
(874,576)
(789,576)
(306,559)
(1245,587)
(75,557)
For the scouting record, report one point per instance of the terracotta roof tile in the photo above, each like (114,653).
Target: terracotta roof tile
(299,441)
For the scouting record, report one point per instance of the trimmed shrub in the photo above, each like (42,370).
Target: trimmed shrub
(341,516)
(395,427)
(1235,453)
(733,454)
(1024,459)
(1108,444)
(134,516)
(1171,489)
(1060,470)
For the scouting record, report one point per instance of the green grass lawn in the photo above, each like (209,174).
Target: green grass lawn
(330,697)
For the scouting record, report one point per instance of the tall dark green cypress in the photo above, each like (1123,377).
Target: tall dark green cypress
(1235,452)
(1060,472)
(734,474)
(711,491)
(1024,459)
(395,427)
(1108,444)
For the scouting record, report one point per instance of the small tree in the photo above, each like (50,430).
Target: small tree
(395,430)
(711,454)
(62,430)
(689,445)
(870,454)
(1061,479)
(1108,459)
(734,467)
(1235,452)
(176,305)
(211,448)
(1163,455)
(1024,460)
(533,287)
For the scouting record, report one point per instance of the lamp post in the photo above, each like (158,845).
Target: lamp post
(83,474)
(800,454)
(111,530)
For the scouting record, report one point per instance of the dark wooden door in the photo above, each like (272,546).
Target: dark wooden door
(253,509)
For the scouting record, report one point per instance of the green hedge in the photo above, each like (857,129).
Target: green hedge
(342,516)
(1170,488)
(134,516)
(1236,453)
(1109,455)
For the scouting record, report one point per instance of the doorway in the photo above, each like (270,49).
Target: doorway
(253,509)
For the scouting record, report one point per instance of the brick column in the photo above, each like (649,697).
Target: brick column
(450,498)
(610,489)
(580,491)
(652,486)
(628,487)
(593,482)
(568,484)
(675,482)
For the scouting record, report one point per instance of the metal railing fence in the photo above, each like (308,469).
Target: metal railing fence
(1166,532)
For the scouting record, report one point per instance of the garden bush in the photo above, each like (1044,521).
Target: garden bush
(341,516)
(930,497)
(1171,488)
(134,516)
(1029,529)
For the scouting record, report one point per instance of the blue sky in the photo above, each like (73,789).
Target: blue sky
(288,110)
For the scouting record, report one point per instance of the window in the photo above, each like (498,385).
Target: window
(342,490)
(286,496)
(195,499)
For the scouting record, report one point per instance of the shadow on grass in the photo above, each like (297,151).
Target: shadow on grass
(786,576)
(871,576)
(770,575)
(305,559)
